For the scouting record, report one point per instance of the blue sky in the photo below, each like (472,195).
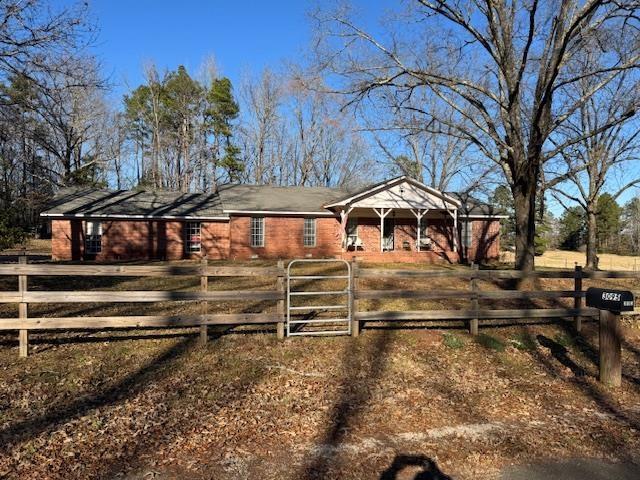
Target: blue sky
(240,35)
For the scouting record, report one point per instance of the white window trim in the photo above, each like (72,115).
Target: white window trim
(424,228)
(313,235)
(259,244)
(189,244)
(355,235)
(92,241)
(467,234)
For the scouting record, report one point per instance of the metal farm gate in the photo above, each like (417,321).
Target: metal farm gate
(307,308)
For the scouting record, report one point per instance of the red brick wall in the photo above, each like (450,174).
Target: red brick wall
(405,230)
(67,239)
(369,233)
(485,241)
(125,239)
(138,239)
(283,238)
(216,239)
(440,231)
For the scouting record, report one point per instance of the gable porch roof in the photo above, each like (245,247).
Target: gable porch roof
(448,202)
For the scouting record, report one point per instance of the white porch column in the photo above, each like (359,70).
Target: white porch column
(455,230)
(344,218)
(454,215)
(419,214)
(382,214)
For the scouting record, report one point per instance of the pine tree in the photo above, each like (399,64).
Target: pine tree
(572,228)
(221,112)
(503,199)
(608,223)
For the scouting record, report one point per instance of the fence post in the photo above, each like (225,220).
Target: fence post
(577,300)
(353,294)
(204,287)
(280,304)
(610,350)
(473,324)
(22,310)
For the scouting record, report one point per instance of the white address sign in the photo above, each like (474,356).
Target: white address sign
(611,296)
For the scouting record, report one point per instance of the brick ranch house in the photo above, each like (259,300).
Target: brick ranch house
(399,220)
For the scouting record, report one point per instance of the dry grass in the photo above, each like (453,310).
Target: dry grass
(568,259)
(154,404)
(32,246)
(184,283)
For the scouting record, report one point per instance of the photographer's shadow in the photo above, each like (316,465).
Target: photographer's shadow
(413,467)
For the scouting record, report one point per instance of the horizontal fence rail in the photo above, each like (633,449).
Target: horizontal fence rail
(493,274)
(473,294)
(458,293)
(136,270)
(481,302)
(140,296)
(23,297)
(483,314)
(138,321)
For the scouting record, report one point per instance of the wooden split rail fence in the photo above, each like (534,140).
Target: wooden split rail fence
(23,297)
(425,281)
(476,312)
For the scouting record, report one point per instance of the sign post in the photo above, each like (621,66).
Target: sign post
(610,303)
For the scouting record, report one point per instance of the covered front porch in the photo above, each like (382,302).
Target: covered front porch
(390,235)
(402,220)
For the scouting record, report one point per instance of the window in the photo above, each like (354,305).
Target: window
(193,240)
(309,232)
(424,228)
(467,234)
(352,231)
(257,231)
(93,237)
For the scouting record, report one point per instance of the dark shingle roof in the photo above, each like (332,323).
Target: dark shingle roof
(130,203)
(472,206)
(89,202)
(279,199)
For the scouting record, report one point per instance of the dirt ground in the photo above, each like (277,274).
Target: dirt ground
(155,404)
(395,403)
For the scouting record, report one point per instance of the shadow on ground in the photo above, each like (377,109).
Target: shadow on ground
(416,467)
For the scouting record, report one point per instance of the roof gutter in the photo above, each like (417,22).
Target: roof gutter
(133,217)
(277,212)
(481,216)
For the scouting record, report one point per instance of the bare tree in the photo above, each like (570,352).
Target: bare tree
(36,39)
(41,46)
(67,118)
(115,148)
(503,65)
(595,159)
(430,152)
(262,99)
(292,133)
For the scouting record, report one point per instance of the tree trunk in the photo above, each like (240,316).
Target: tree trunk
(592,235)
(524,199)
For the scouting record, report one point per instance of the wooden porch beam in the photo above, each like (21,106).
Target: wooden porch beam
(344,217)
(382,214)
(419,214)
(454,215)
